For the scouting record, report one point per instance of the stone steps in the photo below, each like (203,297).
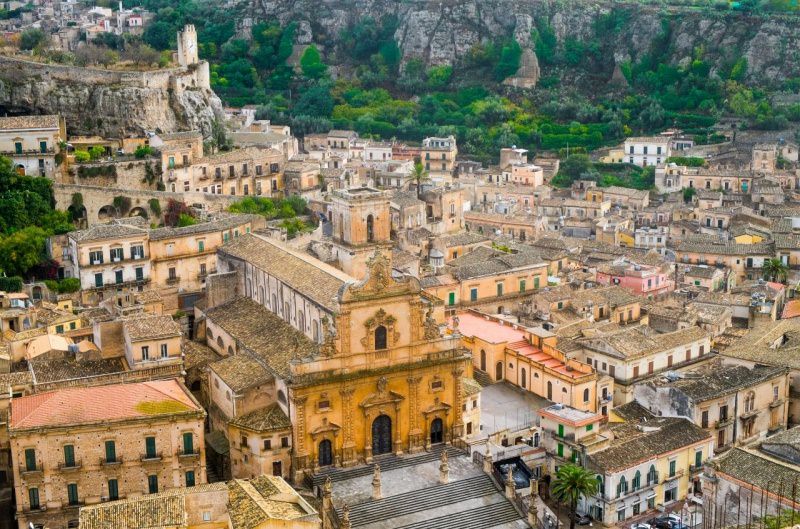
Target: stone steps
(482,377)
(480,518)
(387,462)
(421,500)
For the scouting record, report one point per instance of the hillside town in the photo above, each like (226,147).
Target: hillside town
(240,325)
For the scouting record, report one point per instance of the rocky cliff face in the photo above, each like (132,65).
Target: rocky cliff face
(108,107)
(443,32)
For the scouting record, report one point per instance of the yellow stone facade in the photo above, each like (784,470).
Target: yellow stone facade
(389,380)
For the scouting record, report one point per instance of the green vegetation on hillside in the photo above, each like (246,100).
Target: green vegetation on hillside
(285,209)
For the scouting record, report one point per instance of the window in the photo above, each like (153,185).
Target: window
(111,452)
(59,329)
(72,493)
(560,450)
(145,352)
(561,430)
(267,444)
(30,459)
(201,246)
(116,254)
(672,465)
(451,298)
(113,489)
(152,484)
(670,495)
(589,427)
(698,459)
(118,276)
(18,147)
(622,486)
(33,497)
(380,337)
(98,280)
(172,273)
(586,395)
(723,413)
(652,475)
(636,484)
(621,514)
(499,289)
(69,456)
(473,294)
(284,442)
(522,285)
(190,478)
(704,419)
(139,273)
(164,351)
(150,447)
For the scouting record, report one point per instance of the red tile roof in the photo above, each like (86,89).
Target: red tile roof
(100,404)
(487,329)
(791,309)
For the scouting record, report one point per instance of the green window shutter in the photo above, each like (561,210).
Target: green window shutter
(473,294)
(150,446)
(536,282)
(111,452)
(152,484)
(698,458)
(560,450)
(561,430)
(451,299)
(113,489)
(188,443)
(69,456)
(33,496)
(30,459)
(72,493)
(190,478)
(522,285)
(589,427)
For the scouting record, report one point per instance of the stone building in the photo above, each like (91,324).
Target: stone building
(377,376)
(85,445)
(32,143)
(439,157)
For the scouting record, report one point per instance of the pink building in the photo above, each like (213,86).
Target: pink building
(642,280)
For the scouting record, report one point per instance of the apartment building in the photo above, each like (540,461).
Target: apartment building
(32,143)
(86,445)
(438,155)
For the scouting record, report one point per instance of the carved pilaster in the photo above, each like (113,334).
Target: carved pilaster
(348,443)
(300,413)
(344,331)
(458,399)
(414,432)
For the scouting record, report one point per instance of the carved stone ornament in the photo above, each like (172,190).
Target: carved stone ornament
(431,327)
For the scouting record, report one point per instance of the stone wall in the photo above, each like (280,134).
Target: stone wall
(124,175)
(96,198)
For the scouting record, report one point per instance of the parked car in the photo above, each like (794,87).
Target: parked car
(583,519)
(641,526)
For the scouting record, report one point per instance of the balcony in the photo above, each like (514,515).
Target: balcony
(152,458)
(26,152)
(71,466)
(194,454)
(722,423)
(201,276)
(775,403)
(29,472)
(173,280)
(677,475)
(110,462)
(745,415)
(695,470)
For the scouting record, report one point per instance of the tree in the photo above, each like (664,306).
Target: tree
(159,34)
(419,175)
(82,156)
(775,270)
(689,193)
(570,484)
(508,64)
(31,38)
(311,63)
(574,166)
(21,251)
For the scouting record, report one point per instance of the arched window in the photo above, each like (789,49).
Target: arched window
(209,335)
(230,350)
(483,360)
(274,305)
(652,475)
(498,371)
(315,327)
(536,439)
(261,298)
(601,485)
(219,342)
(524,376)
(370,228)
(622,486)
(549,390)
(637,481)
(564,391)
(281,396)
(301,321)
(380,337)
(586,395)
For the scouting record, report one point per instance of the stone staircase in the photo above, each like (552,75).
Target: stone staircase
(480,518)
(387,462)
(482,378)
(421,500)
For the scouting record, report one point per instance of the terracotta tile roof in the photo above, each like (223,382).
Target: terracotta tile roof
(254,502)
(101,404)
(316,280)
(632,446)
(469,386)
(47,369)
(197,354)
(112,230)
(791,309)
(141,328)
(241,372)
(29,122)
(270,340)
(270,418)
(752,467)
(724,381)
(220,224)
(488,329)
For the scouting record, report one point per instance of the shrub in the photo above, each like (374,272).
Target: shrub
(68,285)
(82,156)
(11,284)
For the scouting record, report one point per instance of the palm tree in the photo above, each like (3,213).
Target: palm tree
(419,174)
(571,483)
(775,270)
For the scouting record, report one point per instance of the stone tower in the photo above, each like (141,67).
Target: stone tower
(187,46)
(361,225)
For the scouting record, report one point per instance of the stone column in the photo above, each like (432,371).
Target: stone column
(510,487)
(300,439)
(376,483)
(444,469)
(487,460)
(327,504)
(398,442)
(533,509)
(458,399)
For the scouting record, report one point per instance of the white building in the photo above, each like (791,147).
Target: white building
(649,150)
(32,143)
(651,238)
